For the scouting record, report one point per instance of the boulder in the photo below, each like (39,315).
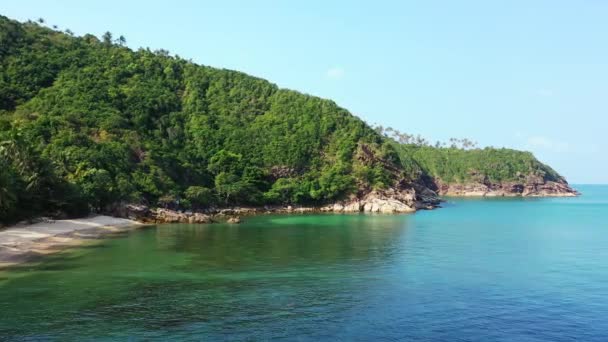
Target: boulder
(137,209)
(199,218)
(234,220)
(353,207)
(170,216)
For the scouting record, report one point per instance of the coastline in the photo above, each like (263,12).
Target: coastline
(28,242)
(506,189)
(488,194)
(23,243)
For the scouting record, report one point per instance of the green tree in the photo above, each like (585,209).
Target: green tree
(227,186)
(89,122)
(96,185)
(8,197)
(107,38)
(224,161)
(199,196)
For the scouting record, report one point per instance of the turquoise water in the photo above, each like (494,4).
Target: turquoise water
(476,270)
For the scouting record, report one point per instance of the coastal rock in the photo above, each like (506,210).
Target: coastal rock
(199,218)
(170,216)
(162,215)
(530,186)
(353,207)
(137,212)
(401,199)
(386,206)
(387,201)
(234,220)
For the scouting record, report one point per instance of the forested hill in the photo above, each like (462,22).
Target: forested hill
(462,169)
(87,122)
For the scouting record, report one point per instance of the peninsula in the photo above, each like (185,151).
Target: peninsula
(88,125)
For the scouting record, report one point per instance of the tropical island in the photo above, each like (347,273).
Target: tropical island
(88,125)
(312,171)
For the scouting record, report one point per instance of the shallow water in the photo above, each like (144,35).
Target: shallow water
(494,269)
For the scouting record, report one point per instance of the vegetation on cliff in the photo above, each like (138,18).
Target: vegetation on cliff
(87,122)
(457,165)
(461,161)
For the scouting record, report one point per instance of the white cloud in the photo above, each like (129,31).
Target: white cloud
(335,73)
(540,142)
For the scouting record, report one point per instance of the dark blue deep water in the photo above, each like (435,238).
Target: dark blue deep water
(475,270)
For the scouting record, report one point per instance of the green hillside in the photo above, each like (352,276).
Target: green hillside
(87,122)
(458,165)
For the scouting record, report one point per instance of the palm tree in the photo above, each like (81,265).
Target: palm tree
(23,164)
(107,38)
(7,196)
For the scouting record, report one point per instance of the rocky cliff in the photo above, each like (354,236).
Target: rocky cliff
(392,201)
(531,186)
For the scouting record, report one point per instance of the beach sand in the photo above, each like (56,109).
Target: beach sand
(22,243)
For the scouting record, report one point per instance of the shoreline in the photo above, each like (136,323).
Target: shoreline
(498,194)
(23,243)
(507,189)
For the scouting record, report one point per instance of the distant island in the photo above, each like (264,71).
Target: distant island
(89,125)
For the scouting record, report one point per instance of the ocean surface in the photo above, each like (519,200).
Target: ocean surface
(475,270)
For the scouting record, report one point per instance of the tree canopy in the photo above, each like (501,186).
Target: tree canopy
(111,124)
(87,122)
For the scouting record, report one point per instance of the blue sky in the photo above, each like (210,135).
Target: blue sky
(530,75)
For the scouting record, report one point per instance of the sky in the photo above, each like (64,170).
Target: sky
(529,74)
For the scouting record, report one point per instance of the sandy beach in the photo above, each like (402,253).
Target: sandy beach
(21,243)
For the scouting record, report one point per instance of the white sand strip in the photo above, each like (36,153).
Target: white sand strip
(21,243)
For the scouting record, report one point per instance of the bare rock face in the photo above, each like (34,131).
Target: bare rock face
(402,198)
(137,212)
(161,215)
(199,218)
(531,186)
(388,201)
(170,216)
(536,186)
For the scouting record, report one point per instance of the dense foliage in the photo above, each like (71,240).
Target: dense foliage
(95,122)
(459,165)
(85,123)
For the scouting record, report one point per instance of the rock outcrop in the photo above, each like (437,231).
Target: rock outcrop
(172,216)
(530,186)
(234,220)
(405,198)
(142,213)
(137,212)
(389,201)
